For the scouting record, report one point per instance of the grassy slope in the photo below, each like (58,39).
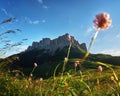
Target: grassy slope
(89,83)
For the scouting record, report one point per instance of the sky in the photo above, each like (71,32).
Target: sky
(32,20)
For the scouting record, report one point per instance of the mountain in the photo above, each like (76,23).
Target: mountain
(49,53)
(47,50)
(55,44)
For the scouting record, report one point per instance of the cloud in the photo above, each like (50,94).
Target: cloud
(45,6)
(28,20)
(118,36)
(35,22)
(4,10)
(113,52)
(43,21)
(40,1)
(22,48)
(13,50)
(89,31)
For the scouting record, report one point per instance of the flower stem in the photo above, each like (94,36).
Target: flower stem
(90,45)
(66,60)
(93,39)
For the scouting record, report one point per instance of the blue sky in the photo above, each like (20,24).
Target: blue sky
(38,19)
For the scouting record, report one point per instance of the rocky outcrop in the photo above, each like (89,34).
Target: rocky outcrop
(53,45)
(83,46)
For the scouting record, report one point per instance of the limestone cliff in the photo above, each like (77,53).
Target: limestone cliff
(53,45)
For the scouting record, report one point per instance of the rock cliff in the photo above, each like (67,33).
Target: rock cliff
(53,45)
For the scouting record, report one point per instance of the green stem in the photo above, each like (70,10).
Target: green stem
(32,70)
(93,39)
(90,45)
(66,60)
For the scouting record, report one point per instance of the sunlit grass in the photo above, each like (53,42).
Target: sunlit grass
(71,84)
(82,80)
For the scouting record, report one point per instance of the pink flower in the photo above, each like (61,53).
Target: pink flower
(102,21)
(65,59)
(35,64)
(100,68)
(75,64)
(69,37)
(41,79)
(31,75)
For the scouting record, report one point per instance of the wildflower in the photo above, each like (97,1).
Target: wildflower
(100,68)
(102,21)
(41,79)
(112,78)
(27,86)
(69,37)
(35,64)
(75,64)
(31,75)
(65,59)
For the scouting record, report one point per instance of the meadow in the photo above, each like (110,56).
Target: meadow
(88,82)
(81,78)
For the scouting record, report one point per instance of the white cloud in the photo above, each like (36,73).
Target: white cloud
(14,50)
(90,29)
(31,21)
(45,6)
(35,22)
(43,21)
(118,36)
(40,1)
(113,52)
(4,10)
(21,48)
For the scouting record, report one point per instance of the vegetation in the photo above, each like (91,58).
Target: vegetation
(57,75)
(69,72)
(85,82)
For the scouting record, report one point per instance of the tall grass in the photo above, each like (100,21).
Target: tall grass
(70,85)
(90,82)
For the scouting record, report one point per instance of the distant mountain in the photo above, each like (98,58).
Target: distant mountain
(55,44)
(48,50)
(49,53)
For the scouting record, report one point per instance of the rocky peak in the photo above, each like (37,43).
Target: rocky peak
(53,45)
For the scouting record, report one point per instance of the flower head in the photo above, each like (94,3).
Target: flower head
(41,79)
(75,64)
(65,59)
(102,21)
(112,78)
(35,64)
(100,68)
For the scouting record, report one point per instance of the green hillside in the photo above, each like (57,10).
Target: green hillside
(40,73)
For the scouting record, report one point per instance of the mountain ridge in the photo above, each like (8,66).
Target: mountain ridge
(57,43)
(47,60)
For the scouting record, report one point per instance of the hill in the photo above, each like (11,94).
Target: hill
(49,53)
